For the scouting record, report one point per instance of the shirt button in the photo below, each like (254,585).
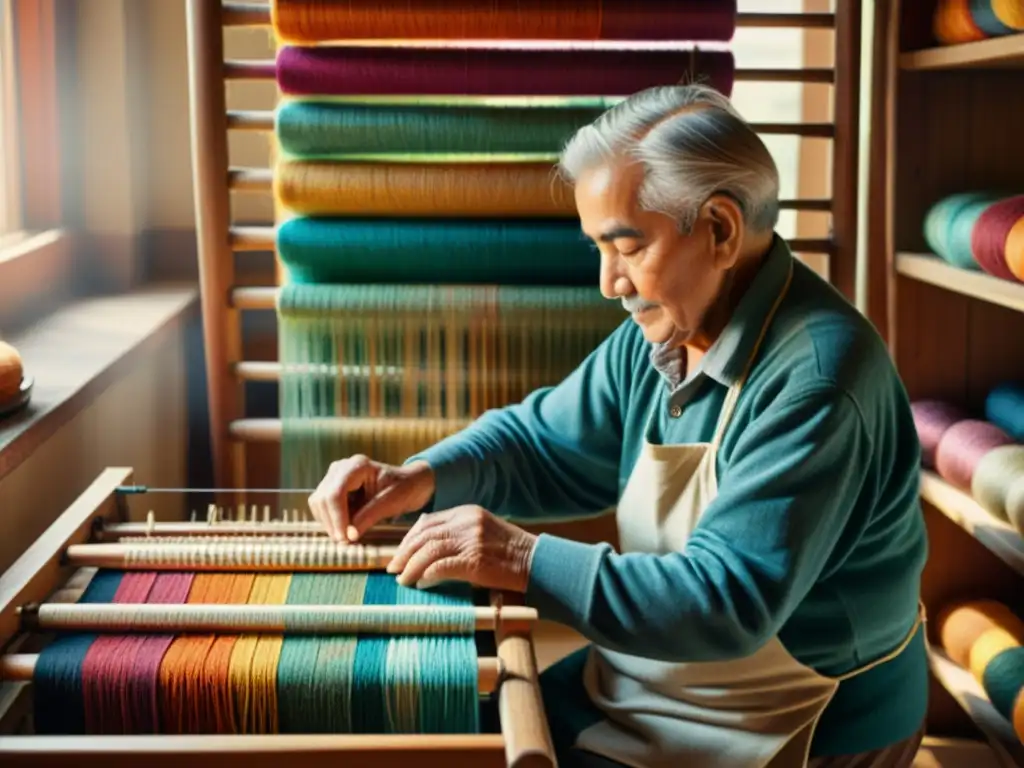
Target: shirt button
(675,411)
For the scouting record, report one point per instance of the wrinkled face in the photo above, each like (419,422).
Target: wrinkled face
(666,279)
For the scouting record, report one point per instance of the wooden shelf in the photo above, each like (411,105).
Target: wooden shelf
(997,535)
(998,53)
(969,694)
(979,285)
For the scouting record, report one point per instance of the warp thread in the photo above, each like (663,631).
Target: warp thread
(529,72)
(318,21)
(127,684)
(979,230)
(987,638)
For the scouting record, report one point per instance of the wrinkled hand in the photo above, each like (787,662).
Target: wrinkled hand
(357,493)
(464,544)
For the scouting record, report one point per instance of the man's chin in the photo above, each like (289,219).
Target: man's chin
(657,330)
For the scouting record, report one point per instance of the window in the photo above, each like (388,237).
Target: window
(35,263)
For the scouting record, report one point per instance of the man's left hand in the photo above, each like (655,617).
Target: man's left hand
(465,543)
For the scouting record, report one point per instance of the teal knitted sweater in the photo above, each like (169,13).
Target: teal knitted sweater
(816,535)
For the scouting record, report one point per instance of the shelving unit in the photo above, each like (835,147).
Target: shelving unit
(949,120)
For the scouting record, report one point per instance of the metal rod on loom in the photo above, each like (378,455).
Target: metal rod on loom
(315,554)
(132,489)
(269,619)
(20,667)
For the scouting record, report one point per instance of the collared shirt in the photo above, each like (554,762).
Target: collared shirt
(815,537)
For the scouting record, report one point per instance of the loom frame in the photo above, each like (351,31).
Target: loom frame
(40,573)
(219,238)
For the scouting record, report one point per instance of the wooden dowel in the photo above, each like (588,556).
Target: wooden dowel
(251,120)
(271,619)
(786,20)
(222,338)
(274,555)
(271,371)
(250,70)
(246,15)
(267,70)
(269,430)
(252,238)
(250,179)
(20,667)
(256,15)
(114,531)
(520,707)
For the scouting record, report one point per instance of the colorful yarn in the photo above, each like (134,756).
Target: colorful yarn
(1015,504)
(317,21)
(961,625)
(1004,407)
(953,23)
(990,232)
(1010,13)
(422,189)
(939,220)
(1014,250)
(985,16)
(931,419)
(963,446)
(378,71)
(466,251)
(259,684)
(994,475)
(323,129)
(987,638)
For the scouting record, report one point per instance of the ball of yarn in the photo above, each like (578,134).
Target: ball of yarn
(953,23)
(984,15)
(931,419)
(10,371)
(963,446)
(1004,407)
(1003,679)
(991,643)
(960,625)
(959,252)
(1015,504)
(1010,13)
(988,237)
(994,475)
(1013,251)
(1017,718)
(939,217)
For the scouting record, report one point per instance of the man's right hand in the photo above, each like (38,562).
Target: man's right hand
(357,493)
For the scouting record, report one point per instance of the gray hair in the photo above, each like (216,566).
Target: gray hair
(688,154)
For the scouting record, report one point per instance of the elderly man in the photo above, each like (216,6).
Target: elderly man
(748,427)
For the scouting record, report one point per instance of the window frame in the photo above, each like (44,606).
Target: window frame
(36,265)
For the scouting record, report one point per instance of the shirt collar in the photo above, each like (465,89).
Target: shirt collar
(725,360)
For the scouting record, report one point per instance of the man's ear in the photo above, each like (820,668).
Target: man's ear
(725,221)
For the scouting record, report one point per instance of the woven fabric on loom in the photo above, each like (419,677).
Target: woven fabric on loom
(435,263)
(256,684)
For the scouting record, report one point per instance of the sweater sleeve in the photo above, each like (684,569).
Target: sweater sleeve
(555,455)
(795,482)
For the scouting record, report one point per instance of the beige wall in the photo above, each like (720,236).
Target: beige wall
(140,421)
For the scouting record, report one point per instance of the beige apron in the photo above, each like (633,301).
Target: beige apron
(744,713)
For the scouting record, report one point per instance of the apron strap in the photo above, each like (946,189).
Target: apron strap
(733,395)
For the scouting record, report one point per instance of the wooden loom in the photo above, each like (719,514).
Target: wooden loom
(40,589)
(220,238)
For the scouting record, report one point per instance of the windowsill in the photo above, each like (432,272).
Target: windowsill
(75,353)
